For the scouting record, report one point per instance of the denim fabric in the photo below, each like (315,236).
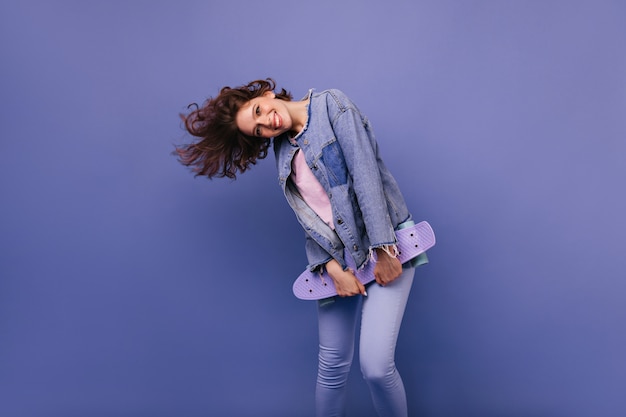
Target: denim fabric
(381,315)
(339,146)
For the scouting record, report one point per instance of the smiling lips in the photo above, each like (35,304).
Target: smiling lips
(278,122)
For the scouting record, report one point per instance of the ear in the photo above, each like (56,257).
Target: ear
(269,94)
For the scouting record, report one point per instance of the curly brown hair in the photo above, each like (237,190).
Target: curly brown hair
(222,149)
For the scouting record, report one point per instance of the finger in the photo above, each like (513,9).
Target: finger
(362,290)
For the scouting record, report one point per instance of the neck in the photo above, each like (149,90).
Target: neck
(298,110)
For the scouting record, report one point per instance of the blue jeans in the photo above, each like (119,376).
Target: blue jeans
(381,315)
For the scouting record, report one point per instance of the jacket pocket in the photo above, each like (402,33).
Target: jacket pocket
(335,164)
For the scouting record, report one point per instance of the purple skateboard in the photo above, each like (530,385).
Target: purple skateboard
(412,241)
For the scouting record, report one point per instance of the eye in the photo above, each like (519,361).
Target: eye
(257,131)
(257,111)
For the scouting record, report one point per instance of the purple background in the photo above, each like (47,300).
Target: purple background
(130,289)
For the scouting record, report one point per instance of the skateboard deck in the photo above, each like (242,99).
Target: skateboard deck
(412,241)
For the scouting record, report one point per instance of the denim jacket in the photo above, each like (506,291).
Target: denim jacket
(339,146)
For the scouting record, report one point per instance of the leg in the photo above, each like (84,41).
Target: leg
(383,310)
(337,327)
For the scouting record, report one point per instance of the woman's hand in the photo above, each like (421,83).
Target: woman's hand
(387,268)
(345,282)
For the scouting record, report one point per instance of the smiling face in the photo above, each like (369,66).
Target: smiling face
(264,117)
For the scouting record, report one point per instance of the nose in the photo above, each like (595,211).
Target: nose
(266,120)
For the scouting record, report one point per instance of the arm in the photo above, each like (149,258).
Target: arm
(360,151)
(316,255)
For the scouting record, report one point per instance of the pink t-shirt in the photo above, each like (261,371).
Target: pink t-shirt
(311,190)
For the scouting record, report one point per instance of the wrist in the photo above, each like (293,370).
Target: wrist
(389,250)
(333,266)
(383,252)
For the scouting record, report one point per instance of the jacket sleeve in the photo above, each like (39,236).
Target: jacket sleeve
(316,255)
(360,151)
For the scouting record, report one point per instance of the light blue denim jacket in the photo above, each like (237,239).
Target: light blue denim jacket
(339,146)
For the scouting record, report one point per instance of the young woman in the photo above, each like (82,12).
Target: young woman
(347,202)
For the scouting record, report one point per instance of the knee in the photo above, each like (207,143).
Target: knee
(334,367)
(378,372)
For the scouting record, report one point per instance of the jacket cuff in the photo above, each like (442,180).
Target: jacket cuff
(390,249)
(319,266)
